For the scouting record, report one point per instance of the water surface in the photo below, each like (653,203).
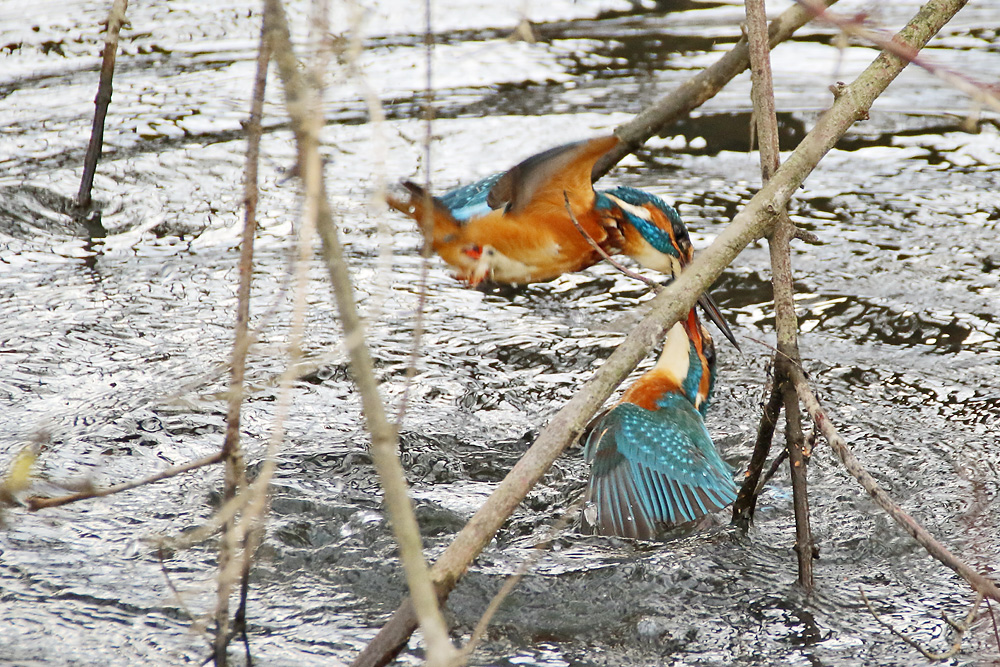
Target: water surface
(117,351)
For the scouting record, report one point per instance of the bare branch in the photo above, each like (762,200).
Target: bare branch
(35,503)
(235,465)
(426,224)
(993,618)
(779,243)
(746,499)
(979,582)
(116,19)
(982,94)
(959,628)
(773,470)
(303,108)
(695,91)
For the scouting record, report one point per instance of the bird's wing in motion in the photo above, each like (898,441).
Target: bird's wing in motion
(541,179)
(653,469)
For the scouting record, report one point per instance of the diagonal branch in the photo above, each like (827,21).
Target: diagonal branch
(981,94)
(980,583)
(694,92)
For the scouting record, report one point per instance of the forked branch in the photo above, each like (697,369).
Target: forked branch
(980,583)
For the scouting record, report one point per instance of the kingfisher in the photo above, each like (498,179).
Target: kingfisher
(513,227)
(653,463)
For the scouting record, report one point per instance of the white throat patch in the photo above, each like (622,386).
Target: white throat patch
(676,357)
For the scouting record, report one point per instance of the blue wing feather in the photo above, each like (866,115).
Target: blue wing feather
(469,201)
(654,468)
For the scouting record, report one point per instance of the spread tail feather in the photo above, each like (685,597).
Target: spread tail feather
(652,470)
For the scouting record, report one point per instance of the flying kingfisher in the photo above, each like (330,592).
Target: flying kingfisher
(514,227)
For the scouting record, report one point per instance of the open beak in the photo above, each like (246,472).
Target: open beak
(712,311)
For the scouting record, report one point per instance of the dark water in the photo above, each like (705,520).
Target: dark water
(118,352)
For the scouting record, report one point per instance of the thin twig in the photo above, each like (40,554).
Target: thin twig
(655,286)
(676,299)
(979,582)
(427,224)
(36,503)
(303,107)
(235,464)
(116,19)
(199,627)
(772,471)
(980,93)
(512,581)
(960,628)
(254,499)
(746,499)
(993,618)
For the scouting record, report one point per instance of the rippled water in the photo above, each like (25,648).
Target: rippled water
(117,350)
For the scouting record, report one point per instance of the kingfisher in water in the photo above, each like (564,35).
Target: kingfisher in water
(514,227)
(653,463)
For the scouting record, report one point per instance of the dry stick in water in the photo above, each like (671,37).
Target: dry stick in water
(242,530)
(794,443)
(746,499)
(250,505)
(696,91)
(116,18)
(300,100)
(993,618)
(979,582)
(779,241)
(235,473)
(960,629)
(750,224)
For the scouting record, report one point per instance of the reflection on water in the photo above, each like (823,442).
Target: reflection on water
(117,348)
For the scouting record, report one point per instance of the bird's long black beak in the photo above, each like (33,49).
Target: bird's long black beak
(712,311)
